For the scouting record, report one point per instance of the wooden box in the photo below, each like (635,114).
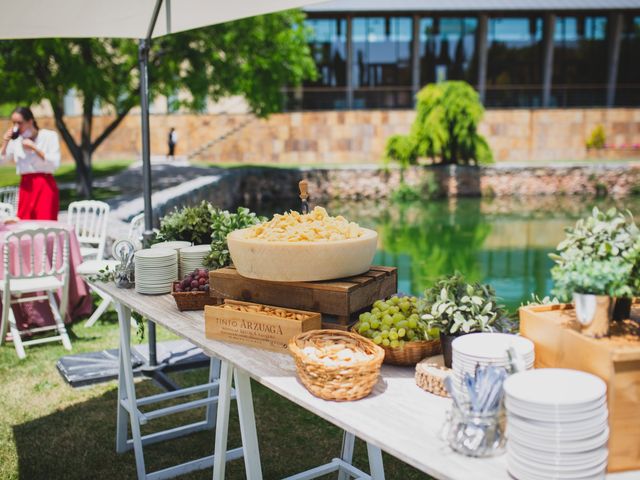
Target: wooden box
(336,300)
(256,329)
(615,359)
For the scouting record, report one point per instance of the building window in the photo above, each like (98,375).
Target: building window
(382,62)
(580,61)
(628,88)
(514,66)
(448,49)
(328,45)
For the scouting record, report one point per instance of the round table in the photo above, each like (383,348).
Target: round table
(38,314)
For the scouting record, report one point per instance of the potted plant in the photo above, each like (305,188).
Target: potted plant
(602,236)
(594,283)
(456,308)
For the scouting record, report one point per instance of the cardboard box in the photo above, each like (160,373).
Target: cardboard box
(615,359)
(256,329)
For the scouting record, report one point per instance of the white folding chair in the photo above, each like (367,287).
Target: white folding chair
(89,219)
(9,195)
(136,228)
(6,210)
(36,273)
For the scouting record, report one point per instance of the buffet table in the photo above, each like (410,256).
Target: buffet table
(410,433)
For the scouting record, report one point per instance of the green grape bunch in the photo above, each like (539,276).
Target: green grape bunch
(393,322)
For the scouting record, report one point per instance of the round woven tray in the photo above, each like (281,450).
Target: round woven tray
(430,375)
(340,382)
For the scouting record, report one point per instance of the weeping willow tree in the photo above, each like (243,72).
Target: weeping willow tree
(445,129)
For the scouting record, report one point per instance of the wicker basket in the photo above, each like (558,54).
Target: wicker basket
(342,382)
(192,300)
(411,353)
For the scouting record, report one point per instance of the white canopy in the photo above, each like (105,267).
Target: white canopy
(125,18)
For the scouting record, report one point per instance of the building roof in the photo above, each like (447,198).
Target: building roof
(468,5)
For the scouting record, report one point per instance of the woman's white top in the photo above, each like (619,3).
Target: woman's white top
(28,161)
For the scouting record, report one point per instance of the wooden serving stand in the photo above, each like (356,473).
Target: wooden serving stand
(337,300)
(615,359)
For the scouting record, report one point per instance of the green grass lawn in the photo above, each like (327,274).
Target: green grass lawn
(50,430)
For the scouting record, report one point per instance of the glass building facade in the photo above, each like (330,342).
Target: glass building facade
(515,59)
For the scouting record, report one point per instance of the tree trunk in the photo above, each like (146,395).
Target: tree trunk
(84,171)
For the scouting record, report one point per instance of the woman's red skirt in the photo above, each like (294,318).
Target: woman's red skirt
(38,198)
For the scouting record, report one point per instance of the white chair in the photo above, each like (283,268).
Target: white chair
(90,219)
(9,195)
(136,228)
(38,273)
(6,210)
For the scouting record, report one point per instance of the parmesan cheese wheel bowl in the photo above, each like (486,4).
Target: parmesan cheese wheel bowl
(281,261)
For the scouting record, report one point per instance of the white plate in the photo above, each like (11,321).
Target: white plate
(552,416)
(592,460)
(195,250)
(557,448)
(555,386)
(156,253)
(491,345)
(176,245)
(586,428)
(583,469)
(536,407)
(523,472)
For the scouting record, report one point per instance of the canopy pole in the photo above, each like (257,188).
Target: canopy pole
(143,59)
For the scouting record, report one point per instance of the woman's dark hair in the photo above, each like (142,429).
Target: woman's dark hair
(27,114)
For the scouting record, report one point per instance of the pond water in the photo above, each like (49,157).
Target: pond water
(503,242)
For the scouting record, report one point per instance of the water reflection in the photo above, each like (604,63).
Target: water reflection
(504,242)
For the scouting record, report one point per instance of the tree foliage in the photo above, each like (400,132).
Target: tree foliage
(446,127)
(253,57)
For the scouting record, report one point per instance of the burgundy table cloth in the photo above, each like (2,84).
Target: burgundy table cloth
(38,313)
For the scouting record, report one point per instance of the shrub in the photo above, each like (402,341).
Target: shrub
(597,139)
(445,128)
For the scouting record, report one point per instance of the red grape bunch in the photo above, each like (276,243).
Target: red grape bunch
(196,281)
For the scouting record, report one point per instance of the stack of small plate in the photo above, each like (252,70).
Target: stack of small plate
(482,349)
(556,425)
(176,245)
(192,258)
(156,269)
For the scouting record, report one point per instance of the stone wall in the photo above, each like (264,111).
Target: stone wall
(256,186)
(357,137)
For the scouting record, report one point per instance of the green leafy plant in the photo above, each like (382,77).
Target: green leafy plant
(191,224)
(222,223)
(446,124)
(405,193)
(204,224)
(597,139)
(402,150)
(602,237)
(454,306)
(594,276)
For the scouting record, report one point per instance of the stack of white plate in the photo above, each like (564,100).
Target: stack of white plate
(482,349)
(156,269)
(176,245)
(192,258)
(556,425)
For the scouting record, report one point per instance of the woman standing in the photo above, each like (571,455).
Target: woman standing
(36,153)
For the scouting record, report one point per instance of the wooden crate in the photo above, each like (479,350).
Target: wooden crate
(336,300)
(615,359)
(256,329)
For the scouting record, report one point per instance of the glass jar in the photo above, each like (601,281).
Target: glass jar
(475,434)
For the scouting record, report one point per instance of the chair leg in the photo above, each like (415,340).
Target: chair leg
(15,334)
(4,321)
(106,301)
(62,330)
